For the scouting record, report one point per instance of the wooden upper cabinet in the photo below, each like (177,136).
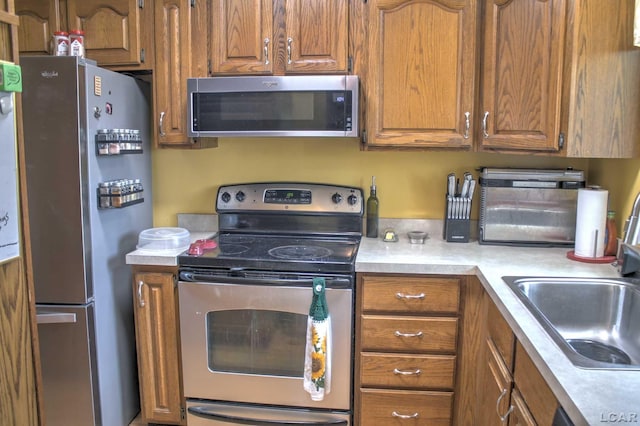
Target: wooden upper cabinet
(277,37)
(316,36)
(112,29)
(242,37)
(420,73)
(522,64)
(38,20)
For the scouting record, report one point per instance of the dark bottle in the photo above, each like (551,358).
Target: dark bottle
(372,211)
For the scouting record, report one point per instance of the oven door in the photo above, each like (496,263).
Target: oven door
(243,339)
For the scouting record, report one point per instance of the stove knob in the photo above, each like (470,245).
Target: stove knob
(336,198)
(352,200)
(226,197)
(240,196)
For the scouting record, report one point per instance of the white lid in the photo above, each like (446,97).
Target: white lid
(163,239)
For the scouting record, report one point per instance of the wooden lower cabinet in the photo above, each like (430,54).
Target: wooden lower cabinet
(157,343)
(380,407)
(511,390)
(408,351)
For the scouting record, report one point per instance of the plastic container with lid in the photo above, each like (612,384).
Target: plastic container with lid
(159,240)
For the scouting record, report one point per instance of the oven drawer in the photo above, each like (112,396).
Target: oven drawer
(410,295)
(409,334)
(407,371)
(415,408)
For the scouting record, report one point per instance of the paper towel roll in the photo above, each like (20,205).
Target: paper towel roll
(591,221)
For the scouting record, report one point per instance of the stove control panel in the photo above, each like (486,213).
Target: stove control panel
(290,197)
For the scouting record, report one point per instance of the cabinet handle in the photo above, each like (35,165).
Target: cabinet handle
(467,124)
(410,296)
(415,372)
(140,299)
(160,124)
(399,334)
(484,124)
(405,416)
(289,42)
(266,51)
(503,418)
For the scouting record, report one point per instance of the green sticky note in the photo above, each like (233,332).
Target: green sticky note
(10,77)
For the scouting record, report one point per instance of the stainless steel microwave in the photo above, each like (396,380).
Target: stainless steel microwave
(273,106)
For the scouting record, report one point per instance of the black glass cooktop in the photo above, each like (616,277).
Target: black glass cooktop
(285,253)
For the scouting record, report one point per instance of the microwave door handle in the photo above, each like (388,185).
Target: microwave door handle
(202,411)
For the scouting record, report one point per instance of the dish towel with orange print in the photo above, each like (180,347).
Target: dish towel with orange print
(317,360)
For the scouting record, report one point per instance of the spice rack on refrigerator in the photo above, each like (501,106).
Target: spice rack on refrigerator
(457,216)
(119,193)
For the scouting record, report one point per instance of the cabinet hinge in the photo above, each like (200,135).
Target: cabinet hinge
(561,140)
(209,67)
(350,64)
(182,413)
(141,4)
(364,137)
(193,3)
(142,55)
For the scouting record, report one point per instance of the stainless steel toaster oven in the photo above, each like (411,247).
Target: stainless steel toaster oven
(529,206)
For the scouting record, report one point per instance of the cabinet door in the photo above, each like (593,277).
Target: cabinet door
(420,74)
(520,415)
(157,346)
(173,66)
(316,32)
(112,29)
(522,74)
(496,386)
(242,37)
(38,20)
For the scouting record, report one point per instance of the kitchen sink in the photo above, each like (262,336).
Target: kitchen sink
(596,322)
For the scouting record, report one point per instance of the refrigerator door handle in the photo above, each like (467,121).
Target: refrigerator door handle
(55,317)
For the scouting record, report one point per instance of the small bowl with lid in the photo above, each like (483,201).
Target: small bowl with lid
(417,237)
(164,240)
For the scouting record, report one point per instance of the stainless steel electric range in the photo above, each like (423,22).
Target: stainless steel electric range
(245,298)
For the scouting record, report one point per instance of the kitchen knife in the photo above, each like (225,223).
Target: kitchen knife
(451,184)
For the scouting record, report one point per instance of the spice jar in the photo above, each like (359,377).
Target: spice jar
(76,43)
(60,43)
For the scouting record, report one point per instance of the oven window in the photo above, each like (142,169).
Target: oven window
(251,341)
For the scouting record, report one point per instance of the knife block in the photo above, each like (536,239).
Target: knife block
(455,230)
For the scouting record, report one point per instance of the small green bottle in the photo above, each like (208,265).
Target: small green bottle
(372,211)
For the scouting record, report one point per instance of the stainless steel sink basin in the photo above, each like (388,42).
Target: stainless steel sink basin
(596,322)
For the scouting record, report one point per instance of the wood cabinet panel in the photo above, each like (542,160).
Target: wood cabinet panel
(500,334)
(420,72)
(407,371)
(38,20)
(411,294)
(112,30)
(533,388)
(520,416)
(317,35)
(155,314)
(522,64)
(411,334)
(418,408)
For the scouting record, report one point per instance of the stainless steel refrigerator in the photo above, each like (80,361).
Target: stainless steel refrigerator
(88,168)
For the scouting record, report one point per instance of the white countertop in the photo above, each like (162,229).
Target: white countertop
(590,397)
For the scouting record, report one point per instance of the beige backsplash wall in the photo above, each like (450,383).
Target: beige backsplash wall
(411,184)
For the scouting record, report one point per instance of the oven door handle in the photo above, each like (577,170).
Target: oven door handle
(330,282)
(203,411)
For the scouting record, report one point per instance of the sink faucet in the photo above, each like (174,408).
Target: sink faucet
(632,225)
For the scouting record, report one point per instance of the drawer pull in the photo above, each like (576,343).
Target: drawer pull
(405,416)
(504,418)
(415,372)
(410,296)
(399,334)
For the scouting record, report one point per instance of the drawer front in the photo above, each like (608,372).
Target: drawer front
(415,408)
(416,334)
(410,295)
(500,333)
(407,371)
